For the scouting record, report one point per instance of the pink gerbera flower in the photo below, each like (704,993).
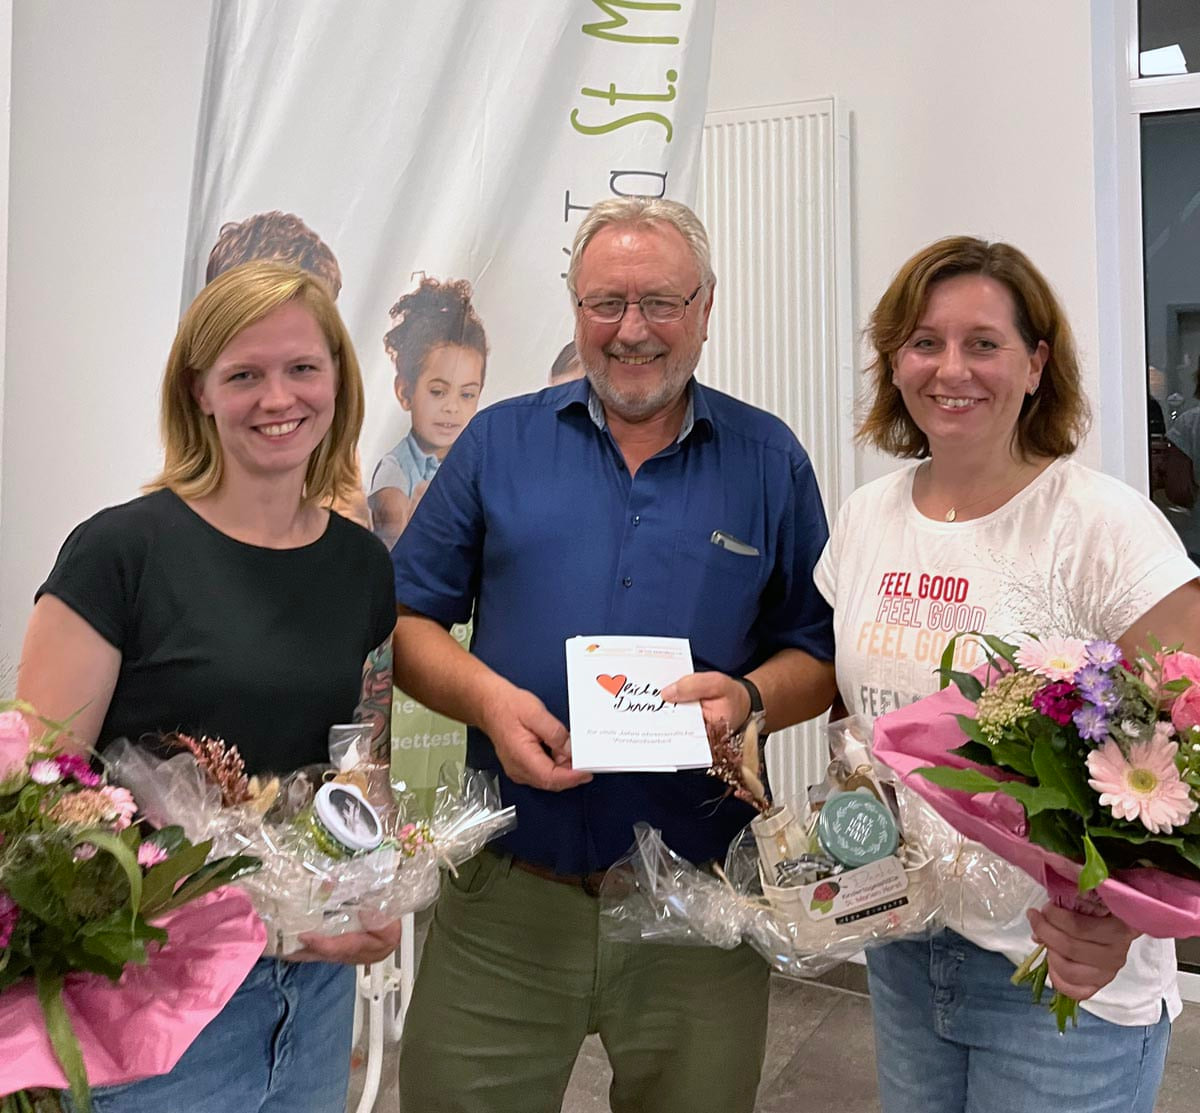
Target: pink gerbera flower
(150,854)
(122,803)
(1054,658)
(1145,786)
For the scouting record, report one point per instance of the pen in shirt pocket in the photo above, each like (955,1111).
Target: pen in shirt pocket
(730,543)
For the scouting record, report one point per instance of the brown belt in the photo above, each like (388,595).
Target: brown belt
(588,882)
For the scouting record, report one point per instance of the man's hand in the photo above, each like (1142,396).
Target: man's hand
(533,746)
(356,948)
(1084,952)
(724,702)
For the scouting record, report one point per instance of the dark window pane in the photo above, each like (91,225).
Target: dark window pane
(1168,37)
(1171,238)
(1171,234)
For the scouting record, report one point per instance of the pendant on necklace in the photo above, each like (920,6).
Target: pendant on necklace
(951,515)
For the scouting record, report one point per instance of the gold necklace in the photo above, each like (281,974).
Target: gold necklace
(953,512)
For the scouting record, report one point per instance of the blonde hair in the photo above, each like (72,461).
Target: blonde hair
(1052,421)
(643,211)
(193,462)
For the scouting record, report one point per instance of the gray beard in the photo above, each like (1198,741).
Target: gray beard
(638,406)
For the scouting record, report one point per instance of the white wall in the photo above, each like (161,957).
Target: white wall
(105,102)
(966,117)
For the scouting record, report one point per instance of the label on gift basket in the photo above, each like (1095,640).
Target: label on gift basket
(857,894)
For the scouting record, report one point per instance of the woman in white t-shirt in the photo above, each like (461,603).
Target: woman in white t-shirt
(994,527)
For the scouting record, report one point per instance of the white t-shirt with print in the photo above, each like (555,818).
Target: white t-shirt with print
(1076,553)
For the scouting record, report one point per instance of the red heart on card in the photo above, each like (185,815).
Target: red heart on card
(611,684)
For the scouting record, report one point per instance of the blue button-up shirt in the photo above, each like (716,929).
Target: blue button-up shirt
(534,520)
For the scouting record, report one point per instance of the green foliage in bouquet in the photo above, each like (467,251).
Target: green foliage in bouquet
(80,884)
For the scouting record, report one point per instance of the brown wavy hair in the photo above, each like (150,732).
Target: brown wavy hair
(276,235)
(1053,420)
(193,463)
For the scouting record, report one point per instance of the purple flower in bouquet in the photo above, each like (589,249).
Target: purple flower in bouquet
(1057,701)
(1105,655)
(1145,786)
(1093,681)
(1091,722)
(1103,695)
(9,915)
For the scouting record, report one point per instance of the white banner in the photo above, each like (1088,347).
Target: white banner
(387,142)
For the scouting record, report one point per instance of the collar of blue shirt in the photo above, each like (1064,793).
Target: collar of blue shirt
(697,415)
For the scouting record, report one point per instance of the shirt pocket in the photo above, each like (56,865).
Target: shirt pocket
(719,592)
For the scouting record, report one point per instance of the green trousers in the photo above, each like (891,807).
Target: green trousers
(514,975)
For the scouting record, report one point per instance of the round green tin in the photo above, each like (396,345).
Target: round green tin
(856,829)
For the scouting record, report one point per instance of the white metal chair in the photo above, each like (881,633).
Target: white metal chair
(384,990)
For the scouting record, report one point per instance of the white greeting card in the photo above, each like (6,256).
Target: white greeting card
(619,720)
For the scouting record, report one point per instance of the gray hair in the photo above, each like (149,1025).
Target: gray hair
(643,211)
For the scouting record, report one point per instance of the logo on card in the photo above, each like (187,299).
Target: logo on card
(628,695)
(824,895)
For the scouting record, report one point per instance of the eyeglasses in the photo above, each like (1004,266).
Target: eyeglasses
(658,309)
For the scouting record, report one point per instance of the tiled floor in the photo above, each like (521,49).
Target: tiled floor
(821,1057)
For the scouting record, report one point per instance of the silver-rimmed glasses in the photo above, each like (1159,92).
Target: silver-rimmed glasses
(658,309)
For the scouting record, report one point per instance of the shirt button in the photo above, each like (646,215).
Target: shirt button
(628,582)
(637,519)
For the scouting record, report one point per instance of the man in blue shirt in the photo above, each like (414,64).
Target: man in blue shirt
(636,502)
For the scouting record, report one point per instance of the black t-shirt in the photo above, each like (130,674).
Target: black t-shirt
(261,647)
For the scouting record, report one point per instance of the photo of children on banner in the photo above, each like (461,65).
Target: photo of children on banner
(439,349)
(285,238)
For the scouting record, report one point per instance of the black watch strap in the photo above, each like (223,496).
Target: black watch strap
(756,703)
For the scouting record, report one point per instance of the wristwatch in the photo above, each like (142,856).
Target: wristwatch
(756,706)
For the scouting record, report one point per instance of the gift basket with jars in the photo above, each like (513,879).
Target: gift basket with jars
(808,884)
(339,850)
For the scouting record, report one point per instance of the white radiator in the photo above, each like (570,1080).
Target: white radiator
(775,196)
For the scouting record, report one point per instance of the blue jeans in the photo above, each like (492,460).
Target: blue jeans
(281,1045)
(953,1035)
